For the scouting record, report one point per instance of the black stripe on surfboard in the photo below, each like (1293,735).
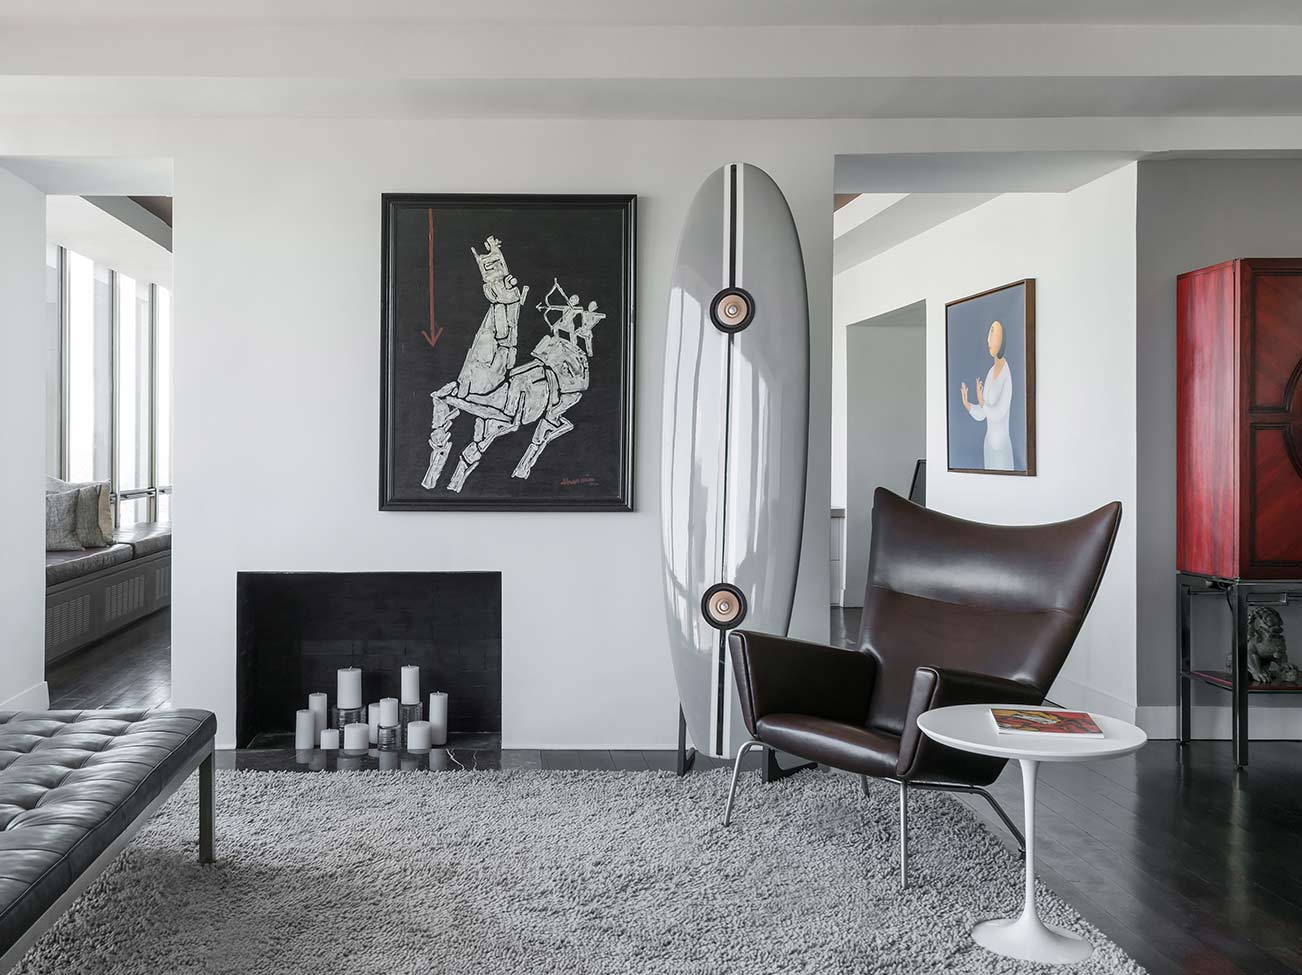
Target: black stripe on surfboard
(732,225)
(723,674)
(722,661)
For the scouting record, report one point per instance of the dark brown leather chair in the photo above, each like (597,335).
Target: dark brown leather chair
(955,612)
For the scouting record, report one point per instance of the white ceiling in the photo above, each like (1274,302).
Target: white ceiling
(93,176)
(973,172)
(763,98)
(638,59)
(902,220)
(681,12)
(85,228)
(906,194)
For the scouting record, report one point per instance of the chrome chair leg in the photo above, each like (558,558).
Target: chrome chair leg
(904,835)
(864,780)
(736,771)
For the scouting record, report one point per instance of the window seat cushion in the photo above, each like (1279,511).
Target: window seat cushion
(146,538)
(64,566)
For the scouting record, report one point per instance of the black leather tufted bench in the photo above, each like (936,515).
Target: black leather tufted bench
(75,786)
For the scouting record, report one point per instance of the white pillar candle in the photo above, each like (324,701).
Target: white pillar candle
(388,712)
(438,718)
(356,737)
(410,684)
(330,740)
(373,720)
(305,729)
(349,694)
(418,736)
(318,704)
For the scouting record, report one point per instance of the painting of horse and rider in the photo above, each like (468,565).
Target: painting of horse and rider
(507,352)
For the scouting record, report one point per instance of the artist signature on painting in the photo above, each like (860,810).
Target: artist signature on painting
(576,481)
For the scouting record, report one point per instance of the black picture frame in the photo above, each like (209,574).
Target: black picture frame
(574,235)
(1019,296)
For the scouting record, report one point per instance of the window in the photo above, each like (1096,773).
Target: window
(133,387)
(163,401)
(89,353)
(53,360)
(109,384)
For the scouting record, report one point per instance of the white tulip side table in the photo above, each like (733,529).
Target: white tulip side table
(970,728)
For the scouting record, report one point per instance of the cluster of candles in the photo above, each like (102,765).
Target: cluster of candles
(389,724)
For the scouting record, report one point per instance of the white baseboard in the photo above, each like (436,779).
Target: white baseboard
(1072,694)
(1212,722)
(35,698)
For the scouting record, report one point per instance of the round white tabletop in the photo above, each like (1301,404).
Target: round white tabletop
(971,728)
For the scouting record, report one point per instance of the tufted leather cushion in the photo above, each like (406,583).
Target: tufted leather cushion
(63,566)
(70,783)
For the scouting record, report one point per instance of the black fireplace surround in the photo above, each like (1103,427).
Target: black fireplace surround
(295,629)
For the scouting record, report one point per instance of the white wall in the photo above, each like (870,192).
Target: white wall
(1080,248)
(886,424)
(1192,213)
(277,264)
(277,274)
(22,444)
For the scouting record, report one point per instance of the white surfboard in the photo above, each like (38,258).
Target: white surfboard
(736,421)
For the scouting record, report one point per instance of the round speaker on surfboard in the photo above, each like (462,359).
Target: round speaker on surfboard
(723,606)
(732,309)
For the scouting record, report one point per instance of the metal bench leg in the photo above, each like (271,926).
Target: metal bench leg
(206,783)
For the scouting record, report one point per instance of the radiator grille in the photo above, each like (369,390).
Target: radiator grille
(124,598)
(163,582)
(67,621)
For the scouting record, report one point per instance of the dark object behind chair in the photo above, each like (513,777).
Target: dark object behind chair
(918,486)
(955,612)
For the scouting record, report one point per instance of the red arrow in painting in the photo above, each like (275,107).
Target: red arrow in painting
(432,336)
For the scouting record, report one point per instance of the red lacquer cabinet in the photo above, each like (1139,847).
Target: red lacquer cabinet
(1239,419)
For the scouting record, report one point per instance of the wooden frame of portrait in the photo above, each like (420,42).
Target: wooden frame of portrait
(1028,383)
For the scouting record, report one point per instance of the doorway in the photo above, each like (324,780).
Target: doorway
(886,424)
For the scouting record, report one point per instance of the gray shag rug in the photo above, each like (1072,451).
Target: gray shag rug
(550,872)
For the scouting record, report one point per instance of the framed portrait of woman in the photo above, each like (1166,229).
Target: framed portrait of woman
(990,380)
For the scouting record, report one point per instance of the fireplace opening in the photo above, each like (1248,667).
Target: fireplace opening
(296,629)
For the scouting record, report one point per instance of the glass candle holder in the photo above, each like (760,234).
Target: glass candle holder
(386,738)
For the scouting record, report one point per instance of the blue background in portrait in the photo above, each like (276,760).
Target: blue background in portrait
(966,327)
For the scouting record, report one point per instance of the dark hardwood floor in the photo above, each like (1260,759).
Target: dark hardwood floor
(1173,853)
(1190,865)
(131,668)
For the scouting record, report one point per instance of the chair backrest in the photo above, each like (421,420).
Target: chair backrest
(1001,600)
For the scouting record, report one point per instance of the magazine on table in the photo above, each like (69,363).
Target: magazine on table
(1039,721)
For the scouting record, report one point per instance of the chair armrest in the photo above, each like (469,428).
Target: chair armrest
(776,675)
(935,687)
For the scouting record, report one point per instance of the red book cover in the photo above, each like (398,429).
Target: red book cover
(1034,721)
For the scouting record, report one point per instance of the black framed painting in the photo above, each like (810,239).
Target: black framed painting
(507,352)
(990,381)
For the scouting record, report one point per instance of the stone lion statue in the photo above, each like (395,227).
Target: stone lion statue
(1268,661)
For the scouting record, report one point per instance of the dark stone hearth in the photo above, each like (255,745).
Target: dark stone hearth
(295,629)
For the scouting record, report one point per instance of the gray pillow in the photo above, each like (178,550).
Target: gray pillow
(61,522)
(94,513)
